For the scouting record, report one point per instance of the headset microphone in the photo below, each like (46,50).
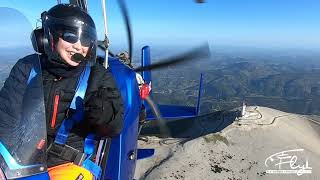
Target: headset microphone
(77,57)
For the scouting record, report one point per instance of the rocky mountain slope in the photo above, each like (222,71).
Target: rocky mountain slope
(217,147)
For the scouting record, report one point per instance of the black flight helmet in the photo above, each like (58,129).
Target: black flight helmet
(72,24)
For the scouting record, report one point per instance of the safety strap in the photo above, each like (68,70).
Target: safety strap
(32,74)
(59,146)
(67,153)
(88,163)
(81,87)
(68,123)
(36,68)
(77,102)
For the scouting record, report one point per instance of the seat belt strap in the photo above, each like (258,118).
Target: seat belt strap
(35,70)
(82,86)
(32,74)
(92,167)
(88,164)
(67,124)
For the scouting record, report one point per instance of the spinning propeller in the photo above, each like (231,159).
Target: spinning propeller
(194,54)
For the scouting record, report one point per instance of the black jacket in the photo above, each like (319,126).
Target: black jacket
(103,104)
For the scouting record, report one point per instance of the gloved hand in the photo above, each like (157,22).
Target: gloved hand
(99,110)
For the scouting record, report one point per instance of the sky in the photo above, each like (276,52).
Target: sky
(258,23)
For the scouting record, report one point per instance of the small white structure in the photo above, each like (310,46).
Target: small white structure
(244,113)
(248,113)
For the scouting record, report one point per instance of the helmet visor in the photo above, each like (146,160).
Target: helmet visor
(72,37)
(72,31)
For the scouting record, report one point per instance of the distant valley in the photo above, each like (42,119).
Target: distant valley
(284,84)
(288,82)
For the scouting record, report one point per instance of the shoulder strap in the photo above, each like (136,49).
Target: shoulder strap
(67,124)
(32,74)
(36,68)
(81,87)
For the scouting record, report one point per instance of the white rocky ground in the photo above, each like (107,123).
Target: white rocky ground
(238,151)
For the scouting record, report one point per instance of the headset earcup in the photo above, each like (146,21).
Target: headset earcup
(37,39)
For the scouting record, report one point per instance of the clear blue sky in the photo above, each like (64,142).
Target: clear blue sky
(283,23)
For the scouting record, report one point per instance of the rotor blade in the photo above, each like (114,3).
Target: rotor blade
(161,122)
(200,1)
(128,25)
(199,52)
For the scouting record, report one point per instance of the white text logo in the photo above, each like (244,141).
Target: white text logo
(287,162)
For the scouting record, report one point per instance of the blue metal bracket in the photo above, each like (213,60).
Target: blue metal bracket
(144,153)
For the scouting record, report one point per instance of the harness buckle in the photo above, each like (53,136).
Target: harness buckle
(56,149)
(79,159)
(67,153)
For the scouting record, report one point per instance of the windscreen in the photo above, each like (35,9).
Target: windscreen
(22,112)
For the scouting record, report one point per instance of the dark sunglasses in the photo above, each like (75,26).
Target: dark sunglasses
(73,38)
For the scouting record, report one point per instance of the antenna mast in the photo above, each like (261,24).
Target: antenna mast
(106,40)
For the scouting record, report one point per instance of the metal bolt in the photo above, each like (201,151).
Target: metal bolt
(132,155)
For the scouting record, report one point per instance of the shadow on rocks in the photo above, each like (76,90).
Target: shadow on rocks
(192,128)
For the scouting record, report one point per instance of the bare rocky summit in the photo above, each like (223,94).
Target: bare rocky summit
(215,147)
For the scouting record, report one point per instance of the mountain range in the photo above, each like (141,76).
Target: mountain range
(291,86)
(288,82)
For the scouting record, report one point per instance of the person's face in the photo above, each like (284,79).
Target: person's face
(66,50)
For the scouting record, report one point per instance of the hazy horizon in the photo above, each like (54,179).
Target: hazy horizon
(250,23)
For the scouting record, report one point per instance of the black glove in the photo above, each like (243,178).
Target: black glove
(98,109)
(104,112)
